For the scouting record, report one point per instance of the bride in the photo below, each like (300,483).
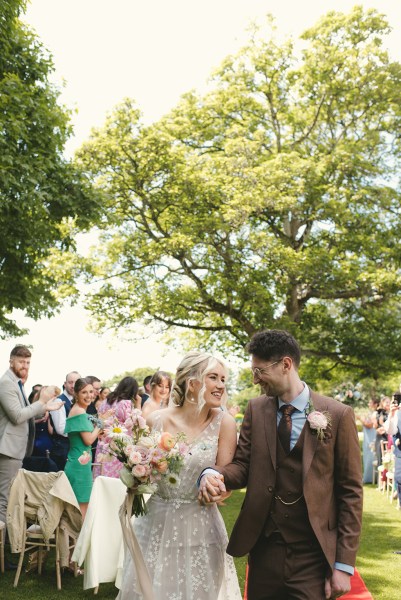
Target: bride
(183,543)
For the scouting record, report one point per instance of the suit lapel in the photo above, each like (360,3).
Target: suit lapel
(310,440)
(271,428)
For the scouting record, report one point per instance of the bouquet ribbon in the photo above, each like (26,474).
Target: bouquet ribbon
(131,542)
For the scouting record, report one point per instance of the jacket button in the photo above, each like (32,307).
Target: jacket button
(270,488)
(286,515)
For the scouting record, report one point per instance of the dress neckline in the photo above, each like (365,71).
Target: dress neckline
(190,443)
(80,415)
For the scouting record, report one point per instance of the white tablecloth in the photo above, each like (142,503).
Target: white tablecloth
(100,545)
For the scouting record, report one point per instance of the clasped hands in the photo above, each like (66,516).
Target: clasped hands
(212,489)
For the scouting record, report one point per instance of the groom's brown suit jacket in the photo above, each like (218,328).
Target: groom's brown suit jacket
(332,478)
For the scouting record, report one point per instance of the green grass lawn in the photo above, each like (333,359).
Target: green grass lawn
(378,565)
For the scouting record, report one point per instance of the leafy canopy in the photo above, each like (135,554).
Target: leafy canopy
(272,201)
(44,198)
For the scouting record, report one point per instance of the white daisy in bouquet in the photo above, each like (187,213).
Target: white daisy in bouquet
(147,456)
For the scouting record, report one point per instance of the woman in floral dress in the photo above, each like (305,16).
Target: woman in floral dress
(118,407)
(182,542)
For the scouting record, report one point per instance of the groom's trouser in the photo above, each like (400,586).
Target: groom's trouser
(286,571)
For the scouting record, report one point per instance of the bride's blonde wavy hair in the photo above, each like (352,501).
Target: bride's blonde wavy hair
(194,367)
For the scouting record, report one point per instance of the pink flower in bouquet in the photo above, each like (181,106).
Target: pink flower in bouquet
(144,453)
(134,457)
(137,419)
(84,458)
(317,420)
(156,454)
(139,471)
(166,441)
(142,422)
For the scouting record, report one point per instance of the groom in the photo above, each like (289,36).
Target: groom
(298,455)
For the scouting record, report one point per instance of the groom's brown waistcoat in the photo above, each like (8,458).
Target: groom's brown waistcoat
(288,514)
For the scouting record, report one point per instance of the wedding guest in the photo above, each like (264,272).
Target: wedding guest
(393,429)
(182,542)
(160,387)
(118,406)
(43,429)
(381,434)
(103,393)
(81,434)
(60,447)
(146,389)
(298,456)
(96,386)
(369,436)
(17,416)
(34,390)
(92,410)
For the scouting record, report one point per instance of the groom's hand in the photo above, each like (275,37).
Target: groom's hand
(211,488)
(338,584)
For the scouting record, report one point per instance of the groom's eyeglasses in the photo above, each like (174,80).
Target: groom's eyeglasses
(256,372)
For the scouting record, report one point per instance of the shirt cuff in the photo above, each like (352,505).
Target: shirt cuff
(205,472)
(346,568)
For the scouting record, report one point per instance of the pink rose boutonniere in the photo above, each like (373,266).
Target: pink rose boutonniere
(319,422)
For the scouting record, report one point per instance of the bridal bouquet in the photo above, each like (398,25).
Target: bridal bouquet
(147,457)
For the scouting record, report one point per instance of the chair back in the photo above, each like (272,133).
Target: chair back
(46,499)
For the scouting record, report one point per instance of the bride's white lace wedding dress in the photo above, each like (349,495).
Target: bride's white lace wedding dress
(184,543)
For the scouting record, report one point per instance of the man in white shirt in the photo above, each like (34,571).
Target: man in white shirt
(61,443)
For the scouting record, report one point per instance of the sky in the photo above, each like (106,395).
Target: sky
(153,51)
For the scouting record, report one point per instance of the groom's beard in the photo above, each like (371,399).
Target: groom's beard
(271,389)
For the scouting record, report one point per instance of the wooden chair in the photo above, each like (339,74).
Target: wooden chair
(2,542)
(35,542)
(381,482)
(390,485)
(383,447)
(43,514)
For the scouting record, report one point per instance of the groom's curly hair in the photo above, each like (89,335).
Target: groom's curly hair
(274,344)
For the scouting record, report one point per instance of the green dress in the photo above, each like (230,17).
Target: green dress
(80,476)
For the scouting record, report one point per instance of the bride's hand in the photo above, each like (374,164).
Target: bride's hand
(211,488)
(224,496)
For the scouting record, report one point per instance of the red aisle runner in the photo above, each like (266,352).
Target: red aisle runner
(359,591)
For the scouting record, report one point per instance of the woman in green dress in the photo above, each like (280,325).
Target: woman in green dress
(81,434)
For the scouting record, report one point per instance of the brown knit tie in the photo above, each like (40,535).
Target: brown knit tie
(285,426)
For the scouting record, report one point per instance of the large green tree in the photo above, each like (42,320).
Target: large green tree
(271,201)
(44,199)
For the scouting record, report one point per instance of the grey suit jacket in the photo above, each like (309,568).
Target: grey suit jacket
(14,417)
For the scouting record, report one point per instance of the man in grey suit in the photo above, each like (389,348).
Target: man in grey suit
(17,419)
